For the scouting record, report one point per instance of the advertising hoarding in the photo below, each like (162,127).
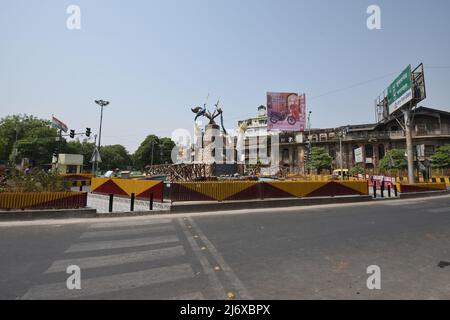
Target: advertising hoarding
(400,92)
(359,155)
(286,111)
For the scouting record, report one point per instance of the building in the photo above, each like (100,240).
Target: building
(68,163)
(256,126)
(431,129)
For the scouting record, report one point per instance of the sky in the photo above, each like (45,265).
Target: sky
(154,60)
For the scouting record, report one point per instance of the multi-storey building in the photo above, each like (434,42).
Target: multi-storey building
(431,129)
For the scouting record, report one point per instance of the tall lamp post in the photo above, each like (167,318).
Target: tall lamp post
(102,104)
(342,136)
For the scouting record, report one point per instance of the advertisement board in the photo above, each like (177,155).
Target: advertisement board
(400,92)
(286,112)
(359,155)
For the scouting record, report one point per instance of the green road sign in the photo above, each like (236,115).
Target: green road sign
(400,92)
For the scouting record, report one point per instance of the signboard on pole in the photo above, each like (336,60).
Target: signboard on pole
(58,124)
(286,111)
(359,155)
(400,92)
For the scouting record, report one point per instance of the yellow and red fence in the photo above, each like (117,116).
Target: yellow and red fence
(421,187)
(142,189)
(253,190)
(43,200)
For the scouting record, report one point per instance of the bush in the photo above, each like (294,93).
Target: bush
(36,181)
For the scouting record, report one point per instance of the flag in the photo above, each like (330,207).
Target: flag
(58,124)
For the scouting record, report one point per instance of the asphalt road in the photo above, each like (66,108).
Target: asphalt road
(298,253)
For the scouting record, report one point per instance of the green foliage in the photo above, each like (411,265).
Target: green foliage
(160,146)
(394,159)
(36,181)
(320,159)
(36,140)
(441,159)
(115,156)
(356,170)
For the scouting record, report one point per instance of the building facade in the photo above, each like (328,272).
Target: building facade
(431,129)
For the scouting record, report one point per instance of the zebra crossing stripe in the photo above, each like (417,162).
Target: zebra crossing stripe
(126,232)
(114,283)
(117,259)
(118,244)
(135,223)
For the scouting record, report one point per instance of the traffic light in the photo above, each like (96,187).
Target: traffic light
(72,134)
(88,132)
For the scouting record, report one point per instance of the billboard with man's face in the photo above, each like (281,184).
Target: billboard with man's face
(286,111)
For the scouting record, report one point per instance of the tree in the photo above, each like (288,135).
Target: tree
(114,156)
(356,170)
(33,138)
(319,159)
(153,147)
(394,159)
(441,159)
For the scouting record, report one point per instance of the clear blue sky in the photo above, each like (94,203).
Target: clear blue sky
(155,59)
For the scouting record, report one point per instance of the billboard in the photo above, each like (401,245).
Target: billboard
(359,155)
(400,92)
(286,111)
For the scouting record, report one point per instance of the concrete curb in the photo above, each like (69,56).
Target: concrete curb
(196,207)
(19,215)
(425,194)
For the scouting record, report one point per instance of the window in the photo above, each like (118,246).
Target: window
(369,151)
(381,151)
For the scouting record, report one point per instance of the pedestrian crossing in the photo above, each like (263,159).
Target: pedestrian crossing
(150,251)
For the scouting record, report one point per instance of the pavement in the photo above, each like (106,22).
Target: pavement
(318,252)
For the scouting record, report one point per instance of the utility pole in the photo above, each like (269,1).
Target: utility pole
(409,145)
(153,148)
(308,142)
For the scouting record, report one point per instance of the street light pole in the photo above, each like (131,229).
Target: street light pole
(102,104)
(153,148)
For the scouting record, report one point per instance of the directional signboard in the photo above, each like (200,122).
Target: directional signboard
(400,92)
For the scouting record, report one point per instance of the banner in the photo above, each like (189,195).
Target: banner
(400,92)
(286,112)
(58,124)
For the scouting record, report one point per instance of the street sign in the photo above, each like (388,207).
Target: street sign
(96,157)
(400,92)
(359,155)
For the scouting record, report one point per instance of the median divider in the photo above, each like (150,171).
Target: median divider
(253,190)
(42,200)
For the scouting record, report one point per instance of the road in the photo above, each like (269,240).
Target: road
(320,252)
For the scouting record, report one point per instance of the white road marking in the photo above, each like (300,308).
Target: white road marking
(234,280)
(116,244)
(112,283)
(126,232)
(215,285)
(117,259)
(134,223)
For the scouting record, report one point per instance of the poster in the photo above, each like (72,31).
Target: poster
(286,112)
